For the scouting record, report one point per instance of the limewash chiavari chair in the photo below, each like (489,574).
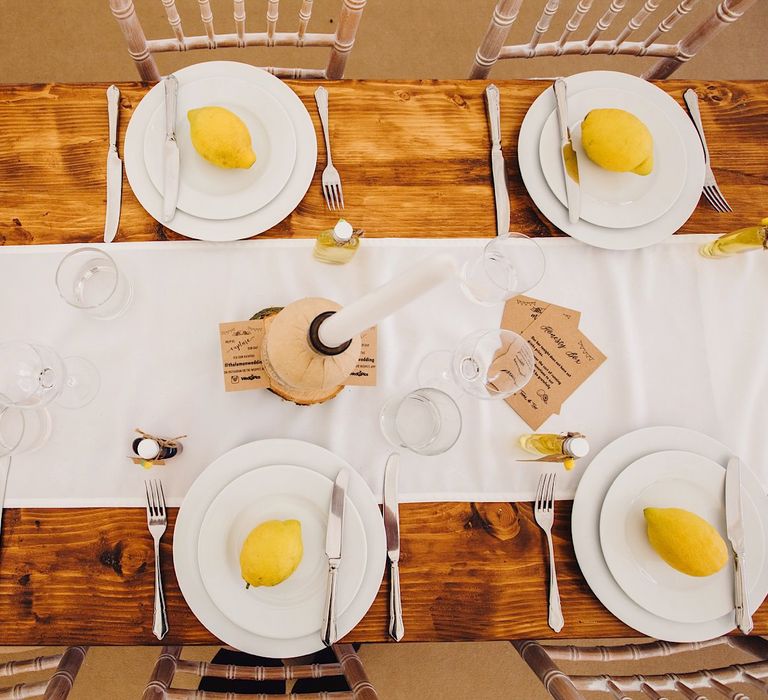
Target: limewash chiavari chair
(705,684)
(142,50)
(56,687)
(627,41)
(348,665)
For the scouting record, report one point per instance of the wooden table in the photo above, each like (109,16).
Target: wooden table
(414,162)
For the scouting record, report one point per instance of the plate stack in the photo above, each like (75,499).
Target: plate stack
(275,480)
(664,467)
(217,204)
(619,211)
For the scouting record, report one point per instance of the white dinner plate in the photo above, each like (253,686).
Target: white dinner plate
(611,199)
(601,237)
(245,226)
(674,479)
(206,190)
(585,528)
(293,608)
(201,494)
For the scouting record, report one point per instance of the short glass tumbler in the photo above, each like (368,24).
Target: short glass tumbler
(89,279)
(508,266)
(427,421)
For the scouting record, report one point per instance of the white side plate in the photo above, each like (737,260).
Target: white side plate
(545,200)
(293,608)
(585,528)
(211,192)
(261,219)
(223,471)
(674,479)
(617,200)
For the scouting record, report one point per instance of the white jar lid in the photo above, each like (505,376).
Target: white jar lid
(577,446)
(148,448)
(342,231)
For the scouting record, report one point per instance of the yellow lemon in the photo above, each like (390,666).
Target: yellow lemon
(271,552)
(617,140)
(685,541)
(221,137)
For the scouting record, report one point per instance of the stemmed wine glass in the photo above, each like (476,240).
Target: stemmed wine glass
(33,375)
(487,364)
(509,265)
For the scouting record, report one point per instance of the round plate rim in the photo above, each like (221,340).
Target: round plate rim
(249,456)
(714,471)
(236,212)
(585,528)
(229,229)
(351,511)
(649,218)
(610,239)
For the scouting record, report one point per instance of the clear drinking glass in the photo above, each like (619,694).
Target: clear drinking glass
(427,421)
(89,279)
(23,430)
(34,375)
(508,266)
(487,364)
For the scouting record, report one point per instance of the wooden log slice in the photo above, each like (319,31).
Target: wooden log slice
(306,397)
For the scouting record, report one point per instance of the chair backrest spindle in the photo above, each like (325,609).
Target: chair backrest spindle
(348,666)
(727,12)
(174,20)
(692,685)
(305,13)
(273,10)
(57,687)
(339,42)
(574,21)
(683,8)
(206,16)
(239,16)
(351,13)
(606,20)
(656,43)
(648,8)
(542,26)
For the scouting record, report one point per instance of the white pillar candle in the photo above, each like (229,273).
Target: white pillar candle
(368,310)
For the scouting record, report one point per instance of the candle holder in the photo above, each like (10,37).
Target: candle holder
(312,346)
(299,367)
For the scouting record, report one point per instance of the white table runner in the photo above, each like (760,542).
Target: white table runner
(686,340)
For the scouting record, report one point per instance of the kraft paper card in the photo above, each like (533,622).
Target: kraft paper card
(565,357)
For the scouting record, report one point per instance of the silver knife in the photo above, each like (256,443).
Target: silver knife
(567,154)
(114,169)
(500,191)
(392,528)
(735,528)
(170,150)
(333,539)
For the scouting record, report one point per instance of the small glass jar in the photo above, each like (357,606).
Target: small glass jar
(744,239)
(567,446)
(337,245)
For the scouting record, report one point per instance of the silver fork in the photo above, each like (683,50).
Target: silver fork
(544,512)
(334,197)
(712,192)
(157,521)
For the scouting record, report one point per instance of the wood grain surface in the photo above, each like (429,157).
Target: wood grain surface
(413,157)
(414,162)
(86,575)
